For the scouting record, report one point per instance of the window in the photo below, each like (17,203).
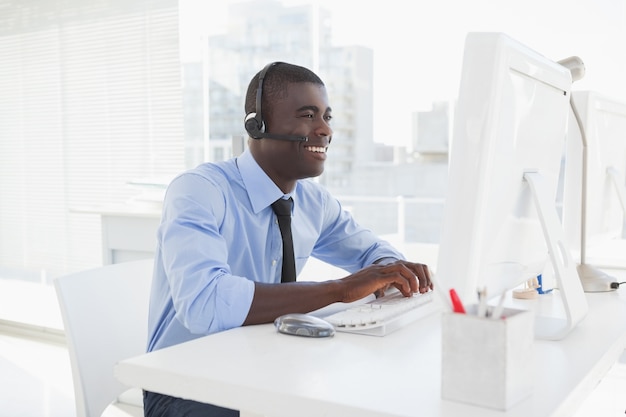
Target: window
(104,96)
(91,101)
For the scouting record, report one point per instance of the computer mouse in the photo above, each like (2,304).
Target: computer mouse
(304,325)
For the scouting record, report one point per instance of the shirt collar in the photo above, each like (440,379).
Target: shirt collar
(260,188)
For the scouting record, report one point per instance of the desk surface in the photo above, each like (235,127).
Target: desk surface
(256,369)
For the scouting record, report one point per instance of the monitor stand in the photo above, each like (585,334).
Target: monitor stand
(567,281)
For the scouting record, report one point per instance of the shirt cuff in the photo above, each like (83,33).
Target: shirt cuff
(385,261)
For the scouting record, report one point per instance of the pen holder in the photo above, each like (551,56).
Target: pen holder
(486,361)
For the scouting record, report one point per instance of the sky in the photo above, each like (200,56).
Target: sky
(418,45)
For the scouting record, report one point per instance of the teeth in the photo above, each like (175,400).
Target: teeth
(320,149)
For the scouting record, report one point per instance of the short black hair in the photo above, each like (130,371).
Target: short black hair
(278,76)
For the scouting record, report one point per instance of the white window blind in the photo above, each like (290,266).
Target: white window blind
(90,100)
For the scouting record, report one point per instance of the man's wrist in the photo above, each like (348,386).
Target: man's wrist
(385,261)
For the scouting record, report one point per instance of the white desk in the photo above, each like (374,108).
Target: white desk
(128,231)
(129,235)
(257,369)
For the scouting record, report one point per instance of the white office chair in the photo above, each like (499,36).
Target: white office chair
(105,315)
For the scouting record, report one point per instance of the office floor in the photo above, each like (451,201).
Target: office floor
(35,378)
(35,374)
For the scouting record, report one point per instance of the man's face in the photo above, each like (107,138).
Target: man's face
(303,112)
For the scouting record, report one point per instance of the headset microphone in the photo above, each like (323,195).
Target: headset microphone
(254,121)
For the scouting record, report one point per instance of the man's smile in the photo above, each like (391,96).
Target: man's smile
(318,149)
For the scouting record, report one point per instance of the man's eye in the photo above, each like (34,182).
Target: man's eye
(328,118)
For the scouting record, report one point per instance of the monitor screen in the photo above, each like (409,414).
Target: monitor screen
(510,126)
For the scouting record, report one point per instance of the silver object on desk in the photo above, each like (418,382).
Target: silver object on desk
(304,325)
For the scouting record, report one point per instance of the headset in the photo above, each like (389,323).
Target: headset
(254,121)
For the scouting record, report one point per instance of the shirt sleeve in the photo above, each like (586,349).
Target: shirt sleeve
(206,297)
(348,245)
(386,261)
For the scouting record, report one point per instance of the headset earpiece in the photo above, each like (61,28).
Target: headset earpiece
(253,126)
(254,121)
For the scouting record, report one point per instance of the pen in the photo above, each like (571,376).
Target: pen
(457,305)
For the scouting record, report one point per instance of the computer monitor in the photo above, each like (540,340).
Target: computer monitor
(594,186)
(501,225)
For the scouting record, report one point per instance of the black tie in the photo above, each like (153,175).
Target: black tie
(282,208)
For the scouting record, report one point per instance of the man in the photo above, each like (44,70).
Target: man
(219,256)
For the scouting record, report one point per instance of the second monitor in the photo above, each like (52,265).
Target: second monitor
(594,188)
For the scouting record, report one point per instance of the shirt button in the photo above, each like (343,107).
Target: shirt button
(274,262)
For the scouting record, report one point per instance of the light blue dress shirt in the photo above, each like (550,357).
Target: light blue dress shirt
(219,235)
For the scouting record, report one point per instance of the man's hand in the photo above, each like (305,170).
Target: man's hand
(407,277)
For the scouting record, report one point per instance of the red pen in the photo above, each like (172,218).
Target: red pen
(457,305)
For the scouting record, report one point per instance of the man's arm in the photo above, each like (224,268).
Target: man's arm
(273,300)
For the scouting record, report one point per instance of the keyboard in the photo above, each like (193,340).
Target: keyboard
(384,314)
